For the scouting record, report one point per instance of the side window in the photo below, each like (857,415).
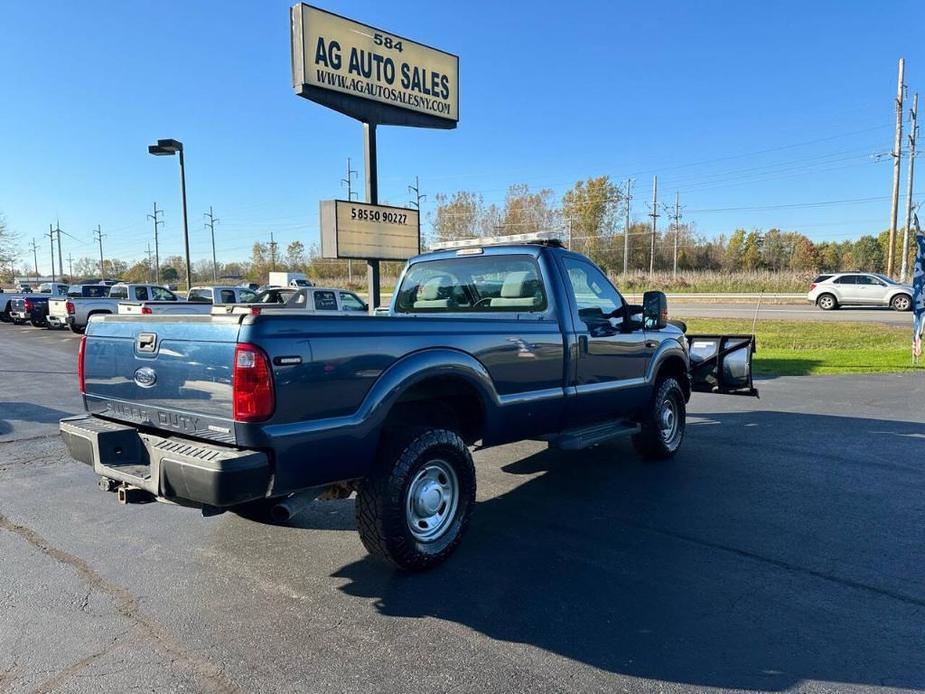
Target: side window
(203,296)
(592,290)
(227,296)
(141,293)
(846,279)
(118,293)
(97,291)
(245,296)
(325,301)
(867,279)
(161,294)
(350,302)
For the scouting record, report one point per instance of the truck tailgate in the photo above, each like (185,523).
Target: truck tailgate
(166,372)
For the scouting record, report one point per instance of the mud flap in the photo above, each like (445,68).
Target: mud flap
(722,364)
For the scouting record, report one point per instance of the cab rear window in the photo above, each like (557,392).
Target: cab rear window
(491,283)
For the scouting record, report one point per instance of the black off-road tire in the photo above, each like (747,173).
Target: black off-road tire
(75,329)
(652,442)
(827,302)
(39,323)
(382,498)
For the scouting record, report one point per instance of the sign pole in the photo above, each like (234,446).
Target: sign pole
(372,197)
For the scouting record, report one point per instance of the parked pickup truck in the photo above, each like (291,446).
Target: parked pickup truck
(198,300)
(58,307)
(260,413)
(328,300)
(81,310)
(33,307)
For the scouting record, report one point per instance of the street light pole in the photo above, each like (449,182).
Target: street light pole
(170,147)
(189,269)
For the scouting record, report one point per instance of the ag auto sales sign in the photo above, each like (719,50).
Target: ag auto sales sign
(332,54)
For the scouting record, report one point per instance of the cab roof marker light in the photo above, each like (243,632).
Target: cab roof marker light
(470,251)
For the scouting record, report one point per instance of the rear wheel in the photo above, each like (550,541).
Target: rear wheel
(38,323)
(827,302)
(662,429)
(901,302)
(75,329)
(414,506)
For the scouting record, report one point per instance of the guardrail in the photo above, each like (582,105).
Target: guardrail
(723,296)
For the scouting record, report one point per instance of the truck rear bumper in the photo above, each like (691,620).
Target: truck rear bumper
(173,467)
(56,321)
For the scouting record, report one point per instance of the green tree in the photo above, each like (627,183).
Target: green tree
(589,211)
(295,255)
(751,251)
(525,212)
(868,254)
(804,255)
(732,259)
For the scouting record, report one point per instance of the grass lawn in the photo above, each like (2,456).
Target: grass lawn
(800,348)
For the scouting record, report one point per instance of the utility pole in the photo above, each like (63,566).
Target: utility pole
(351,172)
(70,266)
(913,134)
(60,261)
(897,157)
(675,218)
(148,254)
(35,258)
(98,236)
(157,257)
(654,215)
(51,240)
(211,224)
(418,197)
(272,253)
(626,226)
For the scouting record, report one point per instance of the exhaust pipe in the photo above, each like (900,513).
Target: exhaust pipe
(291,506)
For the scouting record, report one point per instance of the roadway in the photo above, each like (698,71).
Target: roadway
(799,312)
(780,551)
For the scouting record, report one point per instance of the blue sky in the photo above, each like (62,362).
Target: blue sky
(765,108)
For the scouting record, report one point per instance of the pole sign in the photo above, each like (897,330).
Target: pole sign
(370,74)
(356,230)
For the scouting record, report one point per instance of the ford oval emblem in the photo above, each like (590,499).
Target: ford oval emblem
(145,377)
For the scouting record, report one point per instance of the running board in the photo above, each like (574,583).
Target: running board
(576,439)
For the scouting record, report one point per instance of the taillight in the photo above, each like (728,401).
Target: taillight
(81,352)
(252,384)
(812,286)
(146,311)
(27,304)
(71,309)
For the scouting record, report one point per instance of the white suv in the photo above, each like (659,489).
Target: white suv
(859,289)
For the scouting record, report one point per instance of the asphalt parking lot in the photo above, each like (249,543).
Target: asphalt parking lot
(782,550)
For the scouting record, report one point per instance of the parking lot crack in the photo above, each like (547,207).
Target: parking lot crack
(126,604)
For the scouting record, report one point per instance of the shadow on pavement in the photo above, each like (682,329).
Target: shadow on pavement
(776,548)
(27,412)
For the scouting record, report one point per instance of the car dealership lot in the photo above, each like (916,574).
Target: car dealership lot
(781,549)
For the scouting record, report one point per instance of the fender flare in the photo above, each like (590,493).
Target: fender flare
(667,349)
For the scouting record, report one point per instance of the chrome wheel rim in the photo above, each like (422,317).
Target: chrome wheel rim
(826,302)
(668,419)
(431,501)
(901,303)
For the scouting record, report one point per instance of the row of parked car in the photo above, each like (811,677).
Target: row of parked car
(58,305)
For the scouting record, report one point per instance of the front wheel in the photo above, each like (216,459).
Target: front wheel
(414,506)
(663,425)
(901,302)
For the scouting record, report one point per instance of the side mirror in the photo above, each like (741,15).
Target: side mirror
(655,310)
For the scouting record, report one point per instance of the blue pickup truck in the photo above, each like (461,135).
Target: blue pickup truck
(484,344)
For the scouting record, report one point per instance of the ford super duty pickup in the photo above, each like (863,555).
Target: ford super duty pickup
(261,413)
